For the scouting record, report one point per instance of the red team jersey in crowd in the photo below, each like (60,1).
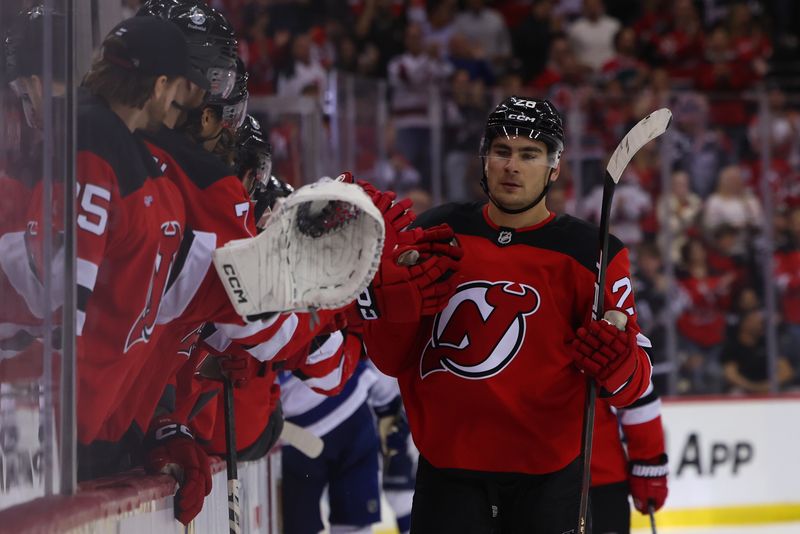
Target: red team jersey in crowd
(130,221)
(488,383)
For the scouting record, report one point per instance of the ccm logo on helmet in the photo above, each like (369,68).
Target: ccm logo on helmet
(234,283)
(523,118)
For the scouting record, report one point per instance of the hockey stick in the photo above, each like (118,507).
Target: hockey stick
(234,515)
(651,511)
(302,440)
(643,132)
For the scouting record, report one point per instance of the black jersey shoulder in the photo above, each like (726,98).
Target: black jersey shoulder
(564,234)
(202,167)
(102,132)
(456,214)
(574,237)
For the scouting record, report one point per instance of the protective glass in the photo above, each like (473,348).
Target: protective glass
(233,115)
(27,103)
(264,170)
(495,150)
(222,82)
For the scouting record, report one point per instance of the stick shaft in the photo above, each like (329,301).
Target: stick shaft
(651,512)
(234,515)
(591,388)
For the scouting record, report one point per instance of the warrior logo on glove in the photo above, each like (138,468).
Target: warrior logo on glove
(481,330)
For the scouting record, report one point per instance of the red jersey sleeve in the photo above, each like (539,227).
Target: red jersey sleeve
(97,191)
(619,296)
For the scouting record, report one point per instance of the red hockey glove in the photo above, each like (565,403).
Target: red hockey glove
(648,483)
(170,448)
(396,215)
(404,293)
(605,353)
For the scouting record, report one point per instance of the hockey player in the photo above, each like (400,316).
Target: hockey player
(348,465)
(21,312)
(143,66)
(639,468)
(494,385)
(398,465)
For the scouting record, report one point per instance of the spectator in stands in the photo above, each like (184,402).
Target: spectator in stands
(783,127)
(745,300)
(485,27)
(437,24)
(748,38)
(699,150)
(651,287)
(262,54)
(380,27)
(625,66)
(745,358)
(464,56)
(680,47)
(654,94)
(726,75)
(592,35)
(704,298)
(631,204)
(725,255)
(304,73)
(679,208)
(465,112)
(733,204)
(531,39)
(787,272)
(412,76)
(563,69)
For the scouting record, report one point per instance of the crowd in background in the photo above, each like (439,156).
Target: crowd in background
(608,63)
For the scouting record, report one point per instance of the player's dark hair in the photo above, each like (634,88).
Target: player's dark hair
(115,83)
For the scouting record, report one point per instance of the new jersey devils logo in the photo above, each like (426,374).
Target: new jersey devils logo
(481,329)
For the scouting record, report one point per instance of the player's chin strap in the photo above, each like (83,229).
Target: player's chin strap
(485,187)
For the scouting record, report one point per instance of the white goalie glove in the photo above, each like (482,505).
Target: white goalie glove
(319,250)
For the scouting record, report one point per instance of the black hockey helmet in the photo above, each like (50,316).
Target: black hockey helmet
(212,43)
(23,42)
(526,117)
(267,194)
(253,153)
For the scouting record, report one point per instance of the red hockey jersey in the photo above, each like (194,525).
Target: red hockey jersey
(488,383)
(130,221)
(217,211)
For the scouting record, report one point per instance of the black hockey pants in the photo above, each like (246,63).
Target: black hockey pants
(466,502)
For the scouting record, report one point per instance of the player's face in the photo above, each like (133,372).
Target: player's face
(175,110)
(29,91)
(517,170)
(160,104)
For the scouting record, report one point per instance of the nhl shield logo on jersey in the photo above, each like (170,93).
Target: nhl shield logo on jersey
(504,237)
(481,329)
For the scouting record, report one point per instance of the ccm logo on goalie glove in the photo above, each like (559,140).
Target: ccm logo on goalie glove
(233,282)
(366,305)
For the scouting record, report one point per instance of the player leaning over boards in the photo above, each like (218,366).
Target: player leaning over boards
(494,384)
